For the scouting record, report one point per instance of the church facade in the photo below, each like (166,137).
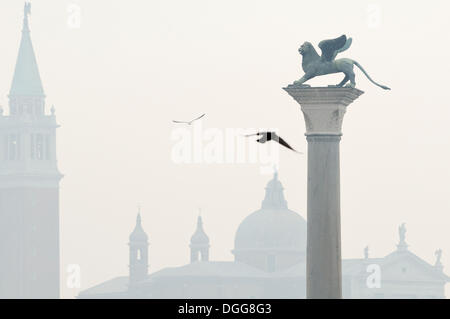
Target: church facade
(269,262)
(29,185)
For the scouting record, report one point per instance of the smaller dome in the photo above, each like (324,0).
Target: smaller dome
(199,237)
(138,233)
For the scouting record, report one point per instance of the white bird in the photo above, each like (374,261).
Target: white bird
(189,122)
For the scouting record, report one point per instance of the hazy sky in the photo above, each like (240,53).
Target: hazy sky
(133,66)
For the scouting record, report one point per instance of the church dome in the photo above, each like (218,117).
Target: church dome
(138,233)
(199,237)
(273,227)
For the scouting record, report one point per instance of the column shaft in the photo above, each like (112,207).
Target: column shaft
(323,110)
(323,259)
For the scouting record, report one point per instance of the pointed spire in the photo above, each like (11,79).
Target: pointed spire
(274,194)
(26,13)
(138,218)
(26,80)
(138,233)
(199,222)
(199,237)
(199,243)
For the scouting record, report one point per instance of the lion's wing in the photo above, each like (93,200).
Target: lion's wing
(330,48)
(347,45)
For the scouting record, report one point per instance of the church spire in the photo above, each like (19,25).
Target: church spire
(138,252)
(199,243)
(274,194)
(138,233)
(26,80)
(26,12)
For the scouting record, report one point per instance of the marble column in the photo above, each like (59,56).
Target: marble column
(323,109)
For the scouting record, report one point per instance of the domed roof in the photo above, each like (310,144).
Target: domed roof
(138,233)
(199,237)
(274,226)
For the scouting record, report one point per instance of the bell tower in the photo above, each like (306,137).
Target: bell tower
(138,253)
(29,184)
(199,243)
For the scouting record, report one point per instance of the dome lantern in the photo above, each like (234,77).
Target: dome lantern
(274,194)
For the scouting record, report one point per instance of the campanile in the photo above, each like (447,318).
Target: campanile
(29,184)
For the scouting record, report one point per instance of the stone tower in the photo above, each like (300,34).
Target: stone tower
(29,185)
(199,243)
(138,253)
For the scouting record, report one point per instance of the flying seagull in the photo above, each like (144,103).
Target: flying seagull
(272,136)
(189,122)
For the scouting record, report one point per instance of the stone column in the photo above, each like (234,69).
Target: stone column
(323,109)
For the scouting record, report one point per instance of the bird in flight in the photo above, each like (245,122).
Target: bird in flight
(189,122)
(272,136)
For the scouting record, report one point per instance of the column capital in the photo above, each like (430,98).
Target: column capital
(323,107)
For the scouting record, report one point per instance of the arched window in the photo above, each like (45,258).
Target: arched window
(39,147)
(138,255)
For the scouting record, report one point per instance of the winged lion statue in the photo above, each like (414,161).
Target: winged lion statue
(314,65)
